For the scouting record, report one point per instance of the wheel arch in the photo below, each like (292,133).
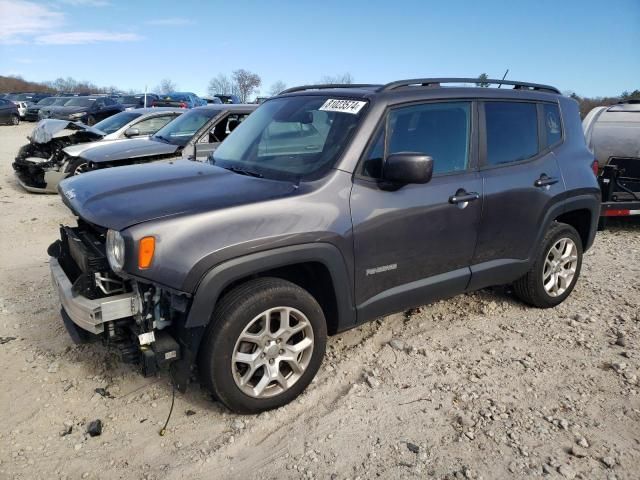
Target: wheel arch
(319,268)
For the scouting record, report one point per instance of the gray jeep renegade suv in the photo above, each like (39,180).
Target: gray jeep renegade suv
(329,206)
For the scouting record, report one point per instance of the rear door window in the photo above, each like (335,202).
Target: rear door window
(511,131)
(150,126)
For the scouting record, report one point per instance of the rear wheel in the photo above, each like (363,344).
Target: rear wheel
(264,345)
(556,269)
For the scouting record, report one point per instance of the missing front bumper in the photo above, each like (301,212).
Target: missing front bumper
(90,315)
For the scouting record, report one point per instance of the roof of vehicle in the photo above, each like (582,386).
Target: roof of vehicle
(148,110)
(228,106)
(460,85)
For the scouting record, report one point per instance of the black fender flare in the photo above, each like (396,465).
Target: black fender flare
(587,201)
(222,275)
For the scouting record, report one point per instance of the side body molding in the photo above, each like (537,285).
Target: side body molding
(215,280)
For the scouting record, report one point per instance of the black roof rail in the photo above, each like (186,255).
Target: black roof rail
(435,82)
(324,86)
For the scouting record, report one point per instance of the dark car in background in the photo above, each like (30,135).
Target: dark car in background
(34,109)
(88,110)
(59,101)
(180,100)
(224,98)
(9,112)
(129,102)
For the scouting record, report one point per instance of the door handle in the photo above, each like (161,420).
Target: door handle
(545,181)
(463,197)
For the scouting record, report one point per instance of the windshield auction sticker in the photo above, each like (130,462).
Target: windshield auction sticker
(343,106)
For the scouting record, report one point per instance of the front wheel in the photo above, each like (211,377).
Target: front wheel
(15,120)
(556,269)
(91,120)
(264,345)
(77,167)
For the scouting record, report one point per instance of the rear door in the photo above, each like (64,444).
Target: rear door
(415,243)
(521,177)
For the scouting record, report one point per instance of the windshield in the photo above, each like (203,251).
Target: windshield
(80,102)
(180,130)
(60,101)
(115,122)
(19,97)
(130,99)
(291,137)
(46,101)
(178,97)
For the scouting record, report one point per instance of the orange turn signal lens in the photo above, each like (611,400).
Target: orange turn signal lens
(146,249)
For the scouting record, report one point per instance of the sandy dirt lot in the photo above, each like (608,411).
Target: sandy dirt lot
(478,386)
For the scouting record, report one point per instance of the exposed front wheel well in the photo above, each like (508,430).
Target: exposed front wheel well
(314,277)
(580,220)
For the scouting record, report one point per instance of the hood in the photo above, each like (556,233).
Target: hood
(132,148)
(79,149)
(48,129)
(118,198)
(64,111)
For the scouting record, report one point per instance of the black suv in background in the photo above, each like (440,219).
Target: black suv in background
(88,110)
(34,109)
(329,206)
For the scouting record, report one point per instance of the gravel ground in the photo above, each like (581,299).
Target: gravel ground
(478,386)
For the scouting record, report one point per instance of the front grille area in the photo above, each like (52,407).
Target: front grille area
(81,254)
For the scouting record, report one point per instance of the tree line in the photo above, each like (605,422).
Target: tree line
(245,84)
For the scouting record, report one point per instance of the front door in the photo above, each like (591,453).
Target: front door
(415,243)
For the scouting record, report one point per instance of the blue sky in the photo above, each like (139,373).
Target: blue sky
(590,47)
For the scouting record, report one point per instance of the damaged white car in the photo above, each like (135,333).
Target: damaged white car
(54,148)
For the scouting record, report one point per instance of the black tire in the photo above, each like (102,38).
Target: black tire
(15,120)
(234,312)
(91,120)
(76,167)
(530,288)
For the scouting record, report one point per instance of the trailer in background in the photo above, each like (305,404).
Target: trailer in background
(613,135)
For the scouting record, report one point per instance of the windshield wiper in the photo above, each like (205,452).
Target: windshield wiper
(242,171)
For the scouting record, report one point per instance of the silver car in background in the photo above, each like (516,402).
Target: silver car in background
(56,145)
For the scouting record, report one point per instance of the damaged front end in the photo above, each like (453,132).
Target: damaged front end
(41,164)
(143,321)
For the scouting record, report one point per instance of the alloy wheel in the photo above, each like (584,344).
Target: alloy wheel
(82,168)
(272,352)
(560,267)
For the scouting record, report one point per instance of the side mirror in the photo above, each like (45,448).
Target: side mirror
(407,167)
(131,132)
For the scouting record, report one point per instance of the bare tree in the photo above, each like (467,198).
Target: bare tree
(247,83)
(222,85)
(166,86)
(277,87)
(482,80)
(345,78)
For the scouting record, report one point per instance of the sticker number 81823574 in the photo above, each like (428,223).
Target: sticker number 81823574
(343,106)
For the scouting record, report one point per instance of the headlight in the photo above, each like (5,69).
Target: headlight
(115,250)
(76,115)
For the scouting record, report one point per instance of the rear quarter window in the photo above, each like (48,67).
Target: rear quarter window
(552,124)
